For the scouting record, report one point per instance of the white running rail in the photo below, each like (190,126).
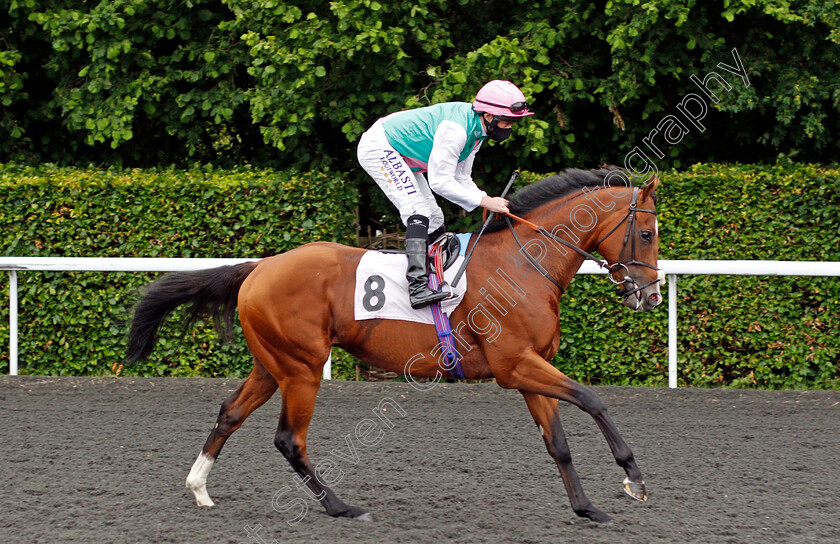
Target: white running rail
(672,269)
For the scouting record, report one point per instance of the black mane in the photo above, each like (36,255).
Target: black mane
(551,188)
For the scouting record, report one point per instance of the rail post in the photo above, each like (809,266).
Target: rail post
(13,323)
(672,331)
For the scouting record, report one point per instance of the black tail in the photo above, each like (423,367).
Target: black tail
(209,292)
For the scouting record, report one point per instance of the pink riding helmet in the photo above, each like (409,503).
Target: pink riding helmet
(503,99)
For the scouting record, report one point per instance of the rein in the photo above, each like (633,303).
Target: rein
(630,235)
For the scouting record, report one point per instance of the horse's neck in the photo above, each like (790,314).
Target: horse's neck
(561,262)
(576,218)
(580,219)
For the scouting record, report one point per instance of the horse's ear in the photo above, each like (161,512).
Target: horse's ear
(650,186)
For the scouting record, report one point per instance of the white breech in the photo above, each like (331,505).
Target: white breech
(408,191)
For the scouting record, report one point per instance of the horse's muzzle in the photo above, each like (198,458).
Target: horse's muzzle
(644,299)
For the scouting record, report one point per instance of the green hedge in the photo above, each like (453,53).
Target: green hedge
(76,323)
(733,331)
(773,332)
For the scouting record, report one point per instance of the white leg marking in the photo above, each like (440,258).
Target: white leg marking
(197,480)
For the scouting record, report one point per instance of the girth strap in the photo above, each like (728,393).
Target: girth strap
(445,336)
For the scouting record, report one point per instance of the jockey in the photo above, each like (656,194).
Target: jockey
(441,140)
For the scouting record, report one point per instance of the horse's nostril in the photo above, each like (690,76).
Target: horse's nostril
(655,298)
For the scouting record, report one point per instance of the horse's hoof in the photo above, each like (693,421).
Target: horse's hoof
(200,493)
(635,489)
(353,512)
(595,515)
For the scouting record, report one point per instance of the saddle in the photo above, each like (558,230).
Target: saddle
(376,298)
(449,244)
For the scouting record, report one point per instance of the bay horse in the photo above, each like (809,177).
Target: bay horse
(294,306)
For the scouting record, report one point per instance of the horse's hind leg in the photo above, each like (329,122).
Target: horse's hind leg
(250,395)
(299,394)
(547,417)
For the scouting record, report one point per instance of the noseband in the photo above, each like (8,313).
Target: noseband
(629,236)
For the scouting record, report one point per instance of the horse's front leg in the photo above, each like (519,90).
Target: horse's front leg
(530,373)
(547,417)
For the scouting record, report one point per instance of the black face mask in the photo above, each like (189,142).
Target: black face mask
(496,133)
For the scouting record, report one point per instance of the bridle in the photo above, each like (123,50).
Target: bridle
(629,236)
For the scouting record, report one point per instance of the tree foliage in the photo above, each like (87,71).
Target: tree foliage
(295,83)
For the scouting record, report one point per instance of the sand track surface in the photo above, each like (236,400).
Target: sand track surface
(90,460)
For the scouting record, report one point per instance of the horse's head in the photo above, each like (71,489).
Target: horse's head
(617,220)
(630,244)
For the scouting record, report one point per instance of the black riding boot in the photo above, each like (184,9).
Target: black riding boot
(417,252)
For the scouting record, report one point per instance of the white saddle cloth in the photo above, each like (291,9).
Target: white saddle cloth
(382,289)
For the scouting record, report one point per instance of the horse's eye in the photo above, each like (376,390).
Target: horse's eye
(647,235)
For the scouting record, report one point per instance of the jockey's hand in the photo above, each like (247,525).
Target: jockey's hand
(495,204)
